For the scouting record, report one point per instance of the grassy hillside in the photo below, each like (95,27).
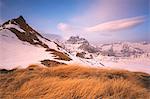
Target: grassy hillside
(73,82)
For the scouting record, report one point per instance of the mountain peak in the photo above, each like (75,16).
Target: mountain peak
(77,40)
(16,21)
(23,31)
(20,18)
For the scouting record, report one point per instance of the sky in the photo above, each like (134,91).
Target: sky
(96,20)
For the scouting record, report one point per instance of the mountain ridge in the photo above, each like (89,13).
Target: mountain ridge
(18,37)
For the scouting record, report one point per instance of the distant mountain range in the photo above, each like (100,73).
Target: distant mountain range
(123,55)
(120,49)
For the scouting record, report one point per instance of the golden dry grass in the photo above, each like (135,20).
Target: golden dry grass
(73,82)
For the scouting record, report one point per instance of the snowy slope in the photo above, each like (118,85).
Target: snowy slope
(18,53)
(20,46)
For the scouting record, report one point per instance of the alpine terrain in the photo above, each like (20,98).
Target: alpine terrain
(21,46)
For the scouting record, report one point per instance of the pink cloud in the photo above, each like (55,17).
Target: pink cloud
(64,27)
(116,25)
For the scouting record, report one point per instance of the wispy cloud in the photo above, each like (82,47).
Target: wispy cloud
(116,25)
(107,20)
(103,10)
(108,26)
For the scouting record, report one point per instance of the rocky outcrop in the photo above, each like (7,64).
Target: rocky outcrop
(77,40)
(84,44)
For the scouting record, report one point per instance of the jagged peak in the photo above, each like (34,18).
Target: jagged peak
(77,39)
(16,21)
(20,18)
(23,31)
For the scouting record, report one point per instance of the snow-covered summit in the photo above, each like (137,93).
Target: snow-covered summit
(77,40)
(21,45)
(80,44)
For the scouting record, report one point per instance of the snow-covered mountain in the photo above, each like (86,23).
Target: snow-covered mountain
(77,44)
(81,48)
(124,55)
(21,45)
(125,49)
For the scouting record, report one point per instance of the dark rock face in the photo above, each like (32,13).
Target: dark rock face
(83,55)
(28,37)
